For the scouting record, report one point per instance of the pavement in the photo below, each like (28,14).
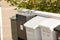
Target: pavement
(7,13)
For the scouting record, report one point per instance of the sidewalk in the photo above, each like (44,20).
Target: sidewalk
(7,12)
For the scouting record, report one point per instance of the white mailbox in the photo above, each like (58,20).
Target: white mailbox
(32,28)
(47,27)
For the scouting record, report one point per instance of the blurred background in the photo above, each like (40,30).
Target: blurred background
(8,11)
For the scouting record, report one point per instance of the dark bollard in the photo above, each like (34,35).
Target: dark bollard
(14,28)
(57,30)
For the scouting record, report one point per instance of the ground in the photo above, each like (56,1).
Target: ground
(7,13)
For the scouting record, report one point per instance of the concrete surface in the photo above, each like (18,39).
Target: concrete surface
(7,12)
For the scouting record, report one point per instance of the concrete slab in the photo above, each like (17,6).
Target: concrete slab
(7,12)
